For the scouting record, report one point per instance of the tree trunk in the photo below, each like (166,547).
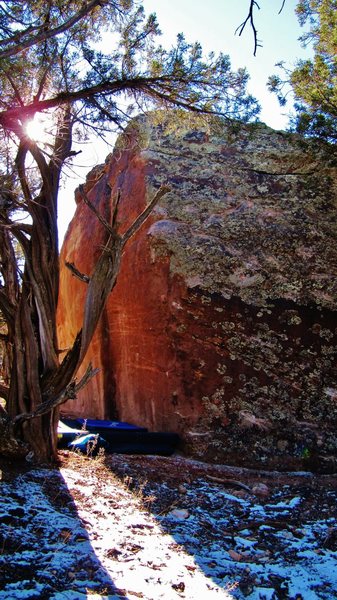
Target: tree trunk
(31,315)
(25,393)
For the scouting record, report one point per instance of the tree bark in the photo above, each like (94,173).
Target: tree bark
(31,314)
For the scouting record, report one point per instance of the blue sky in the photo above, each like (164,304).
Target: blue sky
(213,24)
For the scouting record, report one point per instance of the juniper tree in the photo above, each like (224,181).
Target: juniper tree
(314,81)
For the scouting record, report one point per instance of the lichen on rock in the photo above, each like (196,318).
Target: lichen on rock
(222,325)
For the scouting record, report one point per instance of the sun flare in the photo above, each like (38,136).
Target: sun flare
(37,129)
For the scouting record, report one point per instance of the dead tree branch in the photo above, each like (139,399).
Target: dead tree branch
(101,219)
(144,215)
(250,19)
(76,272)
(69,393)
(107,268)
(229,482)
(282,7)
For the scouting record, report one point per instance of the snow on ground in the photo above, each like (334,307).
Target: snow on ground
(157,528)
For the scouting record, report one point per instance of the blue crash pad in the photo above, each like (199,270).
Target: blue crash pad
(88,444)
(66,434)
(102,425)
(122,438)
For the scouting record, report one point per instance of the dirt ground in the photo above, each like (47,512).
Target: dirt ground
(153,527)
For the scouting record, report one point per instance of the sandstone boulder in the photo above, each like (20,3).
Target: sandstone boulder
(222,325)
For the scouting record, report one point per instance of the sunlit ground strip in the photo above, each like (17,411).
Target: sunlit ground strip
(151,562)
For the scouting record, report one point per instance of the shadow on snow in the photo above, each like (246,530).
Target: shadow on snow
(45,551)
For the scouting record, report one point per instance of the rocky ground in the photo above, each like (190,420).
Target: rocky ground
(155,527)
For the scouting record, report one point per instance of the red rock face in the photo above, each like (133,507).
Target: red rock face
(222,324)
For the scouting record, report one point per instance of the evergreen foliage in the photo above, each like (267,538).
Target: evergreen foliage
(314,81)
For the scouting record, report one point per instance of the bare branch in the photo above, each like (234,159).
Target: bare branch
(25,227)
(101,219)
(76,272)
(250,19)
(282,7)
(106,271)
(164,189)
(230,482)
(44,78)
(14,86)
(69,393)
(115,211)
(54,383)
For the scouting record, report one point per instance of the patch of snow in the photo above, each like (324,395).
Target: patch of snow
(74,535)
